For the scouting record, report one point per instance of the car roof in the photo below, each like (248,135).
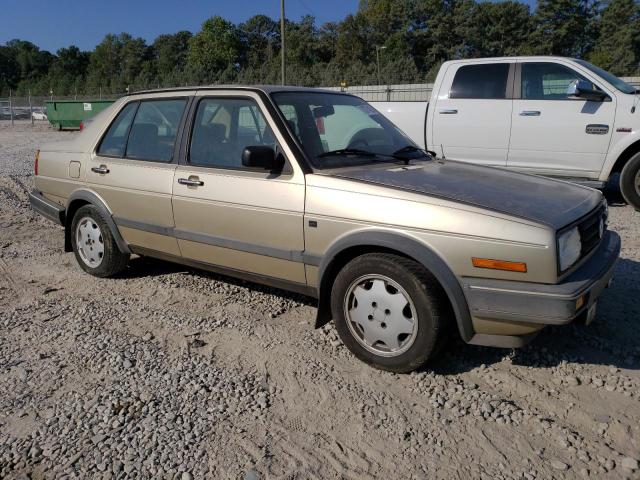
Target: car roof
(268,89)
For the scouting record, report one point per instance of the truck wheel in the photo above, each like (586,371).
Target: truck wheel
(95,249)
(389,312)
(630,182)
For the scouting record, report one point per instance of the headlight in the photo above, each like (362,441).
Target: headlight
(569,248)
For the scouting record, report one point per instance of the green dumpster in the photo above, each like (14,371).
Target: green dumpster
(69,113)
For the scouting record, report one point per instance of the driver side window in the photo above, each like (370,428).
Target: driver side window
(223,128)
(547,81)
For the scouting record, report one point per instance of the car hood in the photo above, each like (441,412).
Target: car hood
(542,200)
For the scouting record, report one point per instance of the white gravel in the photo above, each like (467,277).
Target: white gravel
(173,373)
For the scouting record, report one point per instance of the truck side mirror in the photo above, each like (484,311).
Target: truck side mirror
(263,158)
(583,89)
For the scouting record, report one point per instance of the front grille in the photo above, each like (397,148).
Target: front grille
(591,230)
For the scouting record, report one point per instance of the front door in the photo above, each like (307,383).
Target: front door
(553,134)
(133,169)
(230,216)
(471,121)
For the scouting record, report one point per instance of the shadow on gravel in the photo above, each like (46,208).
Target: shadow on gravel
(142,267)
(613,339)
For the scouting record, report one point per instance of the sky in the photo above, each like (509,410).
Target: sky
(53,24)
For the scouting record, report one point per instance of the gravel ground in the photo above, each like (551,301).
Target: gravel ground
(169,372)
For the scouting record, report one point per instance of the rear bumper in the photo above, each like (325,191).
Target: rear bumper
(46,207)
(534,303)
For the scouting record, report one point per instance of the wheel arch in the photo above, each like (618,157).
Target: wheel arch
(622,159)
(80,198)
(347,248)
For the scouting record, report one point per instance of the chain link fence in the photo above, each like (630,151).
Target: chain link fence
(33,107)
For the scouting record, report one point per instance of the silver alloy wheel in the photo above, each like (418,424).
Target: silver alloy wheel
(89,242)
(381,315)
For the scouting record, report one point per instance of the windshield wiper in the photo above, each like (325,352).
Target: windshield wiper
(409,149)
(347,151)
(400,153)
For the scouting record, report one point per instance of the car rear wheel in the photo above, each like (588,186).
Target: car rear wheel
(389,311)
(630,182)
(93,244)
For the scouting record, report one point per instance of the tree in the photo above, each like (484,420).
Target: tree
(169,53)
(9,71)
(617,47)
(502,28)
(260,39)
(214,50)
(564,27)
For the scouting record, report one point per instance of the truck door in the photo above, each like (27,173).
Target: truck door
(552,133)
(472,116)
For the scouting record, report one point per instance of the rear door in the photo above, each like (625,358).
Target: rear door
(230,216)
(552,133)
(472,116)
(132,170)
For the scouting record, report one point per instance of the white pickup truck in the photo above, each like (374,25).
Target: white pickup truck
(553,116)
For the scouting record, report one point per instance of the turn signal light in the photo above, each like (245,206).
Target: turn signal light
(499,264)
(35,164)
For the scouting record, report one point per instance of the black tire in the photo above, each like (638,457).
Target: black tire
(113,260)
(429,299)
(629,178)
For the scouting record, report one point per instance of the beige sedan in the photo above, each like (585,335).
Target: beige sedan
(316,192)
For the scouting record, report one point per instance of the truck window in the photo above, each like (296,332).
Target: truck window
(486,81)
(546,81)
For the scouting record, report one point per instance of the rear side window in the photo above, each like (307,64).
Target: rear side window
(547,81)
(115,141)
(488,81)
(154,130)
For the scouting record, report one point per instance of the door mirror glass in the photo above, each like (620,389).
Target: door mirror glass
(261,157)
(584,89)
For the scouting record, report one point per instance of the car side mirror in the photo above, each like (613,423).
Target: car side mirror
(263,158)
(583,89)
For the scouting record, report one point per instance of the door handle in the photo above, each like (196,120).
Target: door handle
(450,111)
(191,182)
(101,169)
(530,113)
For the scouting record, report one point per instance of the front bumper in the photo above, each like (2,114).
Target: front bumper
(544,304)
(46,207)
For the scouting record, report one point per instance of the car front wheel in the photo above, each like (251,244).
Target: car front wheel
(389,311)
(93,244)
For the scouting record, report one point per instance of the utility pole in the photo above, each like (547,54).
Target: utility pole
(282,65)
(378,61)
(30,108)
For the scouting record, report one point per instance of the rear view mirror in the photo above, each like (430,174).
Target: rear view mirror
(585,90)
(263,158)
(324,111)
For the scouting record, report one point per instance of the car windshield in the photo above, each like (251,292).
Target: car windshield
(337,130)
(621,85)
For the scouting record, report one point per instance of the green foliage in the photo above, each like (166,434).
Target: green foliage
(412,39)
(213,51)
(618,42)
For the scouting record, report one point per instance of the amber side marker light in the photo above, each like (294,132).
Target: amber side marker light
(499,265)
